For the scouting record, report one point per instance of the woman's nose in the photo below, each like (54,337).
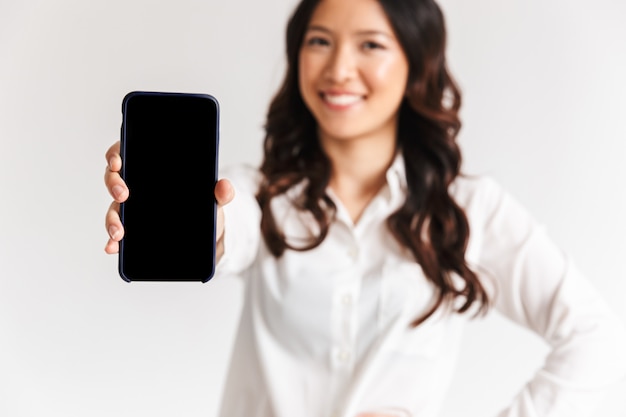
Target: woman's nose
(342,65)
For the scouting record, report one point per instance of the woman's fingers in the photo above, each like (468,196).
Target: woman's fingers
(115,185)
(224,193)
(114,228)
(112,247)
(114,160)
(118,190)
(112,179)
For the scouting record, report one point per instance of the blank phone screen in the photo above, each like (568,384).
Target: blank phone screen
(169,162)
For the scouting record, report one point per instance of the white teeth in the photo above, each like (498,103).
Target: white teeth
(342,99)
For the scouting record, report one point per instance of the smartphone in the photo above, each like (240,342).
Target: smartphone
(169,150)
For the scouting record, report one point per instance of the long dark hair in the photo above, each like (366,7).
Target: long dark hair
(429,223)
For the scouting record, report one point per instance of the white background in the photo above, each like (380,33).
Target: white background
(544,112)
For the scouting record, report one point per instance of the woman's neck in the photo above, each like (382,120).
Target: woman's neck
(358,169)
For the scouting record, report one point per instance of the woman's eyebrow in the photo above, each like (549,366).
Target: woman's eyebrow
(318,28)
(364,32)
(371,32)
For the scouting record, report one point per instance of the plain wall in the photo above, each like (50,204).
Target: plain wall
(543,113)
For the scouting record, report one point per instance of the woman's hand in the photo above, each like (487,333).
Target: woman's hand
(119,191)
(224,193)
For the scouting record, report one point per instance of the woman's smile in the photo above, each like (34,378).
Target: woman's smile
(341,100)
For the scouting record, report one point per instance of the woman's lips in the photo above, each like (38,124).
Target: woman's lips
(341,100)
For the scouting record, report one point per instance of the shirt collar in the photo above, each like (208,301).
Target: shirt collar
(396,180)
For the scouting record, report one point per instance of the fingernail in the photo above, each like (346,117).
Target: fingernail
(117,191)
(111,163)
(113,232)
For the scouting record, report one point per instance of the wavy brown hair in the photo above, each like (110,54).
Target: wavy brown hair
(429,223)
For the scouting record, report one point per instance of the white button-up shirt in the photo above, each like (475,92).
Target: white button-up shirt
(325,332)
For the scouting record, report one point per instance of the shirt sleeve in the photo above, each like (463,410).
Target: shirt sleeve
(539,287)
(242,217)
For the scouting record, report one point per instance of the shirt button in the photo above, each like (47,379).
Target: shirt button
(353,253)
(344,355)
(346,300)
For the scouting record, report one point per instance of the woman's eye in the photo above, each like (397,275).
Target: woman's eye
(372,45)
(316,41)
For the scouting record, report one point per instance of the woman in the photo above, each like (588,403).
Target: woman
(365,251)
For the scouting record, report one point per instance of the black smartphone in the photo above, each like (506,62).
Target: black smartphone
(169,150)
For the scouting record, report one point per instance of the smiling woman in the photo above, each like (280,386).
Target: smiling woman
(353,74)
(364,248)
(352,77)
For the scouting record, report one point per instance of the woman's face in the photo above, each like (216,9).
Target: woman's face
(352,70)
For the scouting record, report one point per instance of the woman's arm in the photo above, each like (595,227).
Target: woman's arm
(540,287)
(241,221)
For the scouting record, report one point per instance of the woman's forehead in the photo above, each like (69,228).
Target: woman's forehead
(350,15)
